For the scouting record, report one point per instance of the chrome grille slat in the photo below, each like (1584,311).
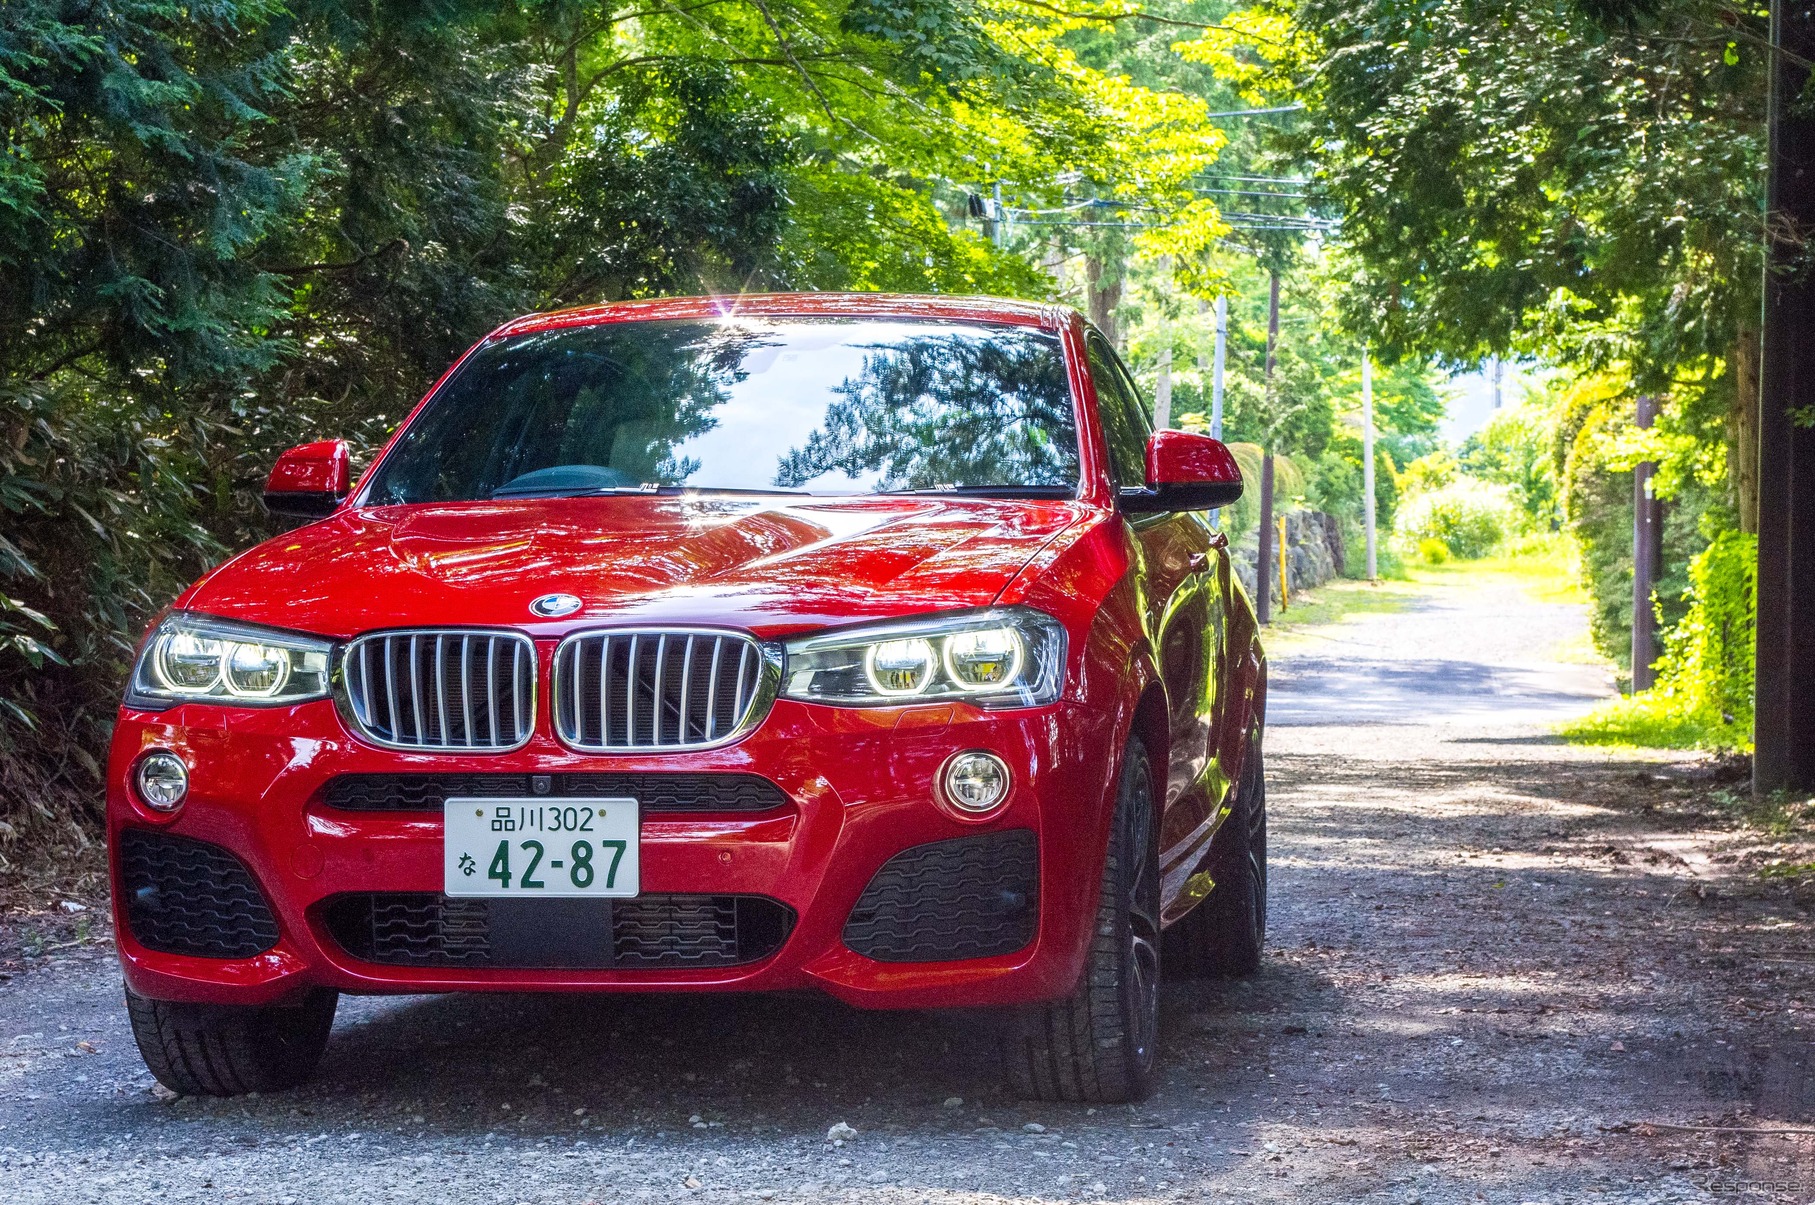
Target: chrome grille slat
(630,700)
(466,688)
(718,651)
(426,668)
(416,693)
(441,688)
(605,679)
(678,689)
(491,691)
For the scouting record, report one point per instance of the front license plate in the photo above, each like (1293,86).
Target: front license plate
(524,848)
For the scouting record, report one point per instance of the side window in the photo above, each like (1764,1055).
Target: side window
(1119,407)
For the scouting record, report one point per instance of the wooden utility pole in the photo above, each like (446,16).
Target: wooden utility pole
(1647,559)
(1216,387)
(1263,562)
(1162,386)
(1367,455)
(1785,725)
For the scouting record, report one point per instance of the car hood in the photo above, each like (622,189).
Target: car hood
(770,565)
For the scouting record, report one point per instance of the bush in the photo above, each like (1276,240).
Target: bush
(1514,450)
(1707,668)
(1704,695)
(1432,551)
(1468,517)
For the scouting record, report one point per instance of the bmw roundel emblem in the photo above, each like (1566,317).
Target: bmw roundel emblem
(553,606)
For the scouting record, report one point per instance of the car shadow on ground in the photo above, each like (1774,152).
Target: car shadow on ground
(799,1060)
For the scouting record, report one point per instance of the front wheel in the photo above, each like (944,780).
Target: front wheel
(227,1050)
(1099,1044)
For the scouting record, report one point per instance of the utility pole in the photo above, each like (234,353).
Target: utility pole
(999,235)
(1162,388)
(1367,454)
(1216,388)
(1647,559)
(1495,369)
(1263,564)
(1784,730)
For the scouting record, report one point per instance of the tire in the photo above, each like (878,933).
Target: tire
(1224,935)
(1100,1043)
(224,1050)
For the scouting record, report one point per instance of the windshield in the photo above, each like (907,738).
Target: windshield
(817,406)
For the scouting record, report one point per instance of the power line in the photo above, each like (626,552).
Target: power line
(1252,192)
(1256,112)
(1254,179)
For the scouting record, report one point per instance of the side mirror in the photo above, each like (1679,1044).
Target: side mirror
(1185,471)
(310,481)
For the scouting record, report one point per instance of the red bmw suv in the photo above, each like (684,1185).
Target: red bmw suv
(869,644)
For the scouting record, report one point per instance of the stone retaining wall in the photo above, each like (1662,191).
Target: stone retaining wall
(1314,553)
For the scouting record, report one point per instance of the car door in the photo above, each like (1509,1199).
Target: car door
(1182,563)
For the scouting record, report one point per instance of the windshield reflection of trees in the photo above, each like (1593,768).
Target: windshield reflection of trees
(621,397)
(956,409)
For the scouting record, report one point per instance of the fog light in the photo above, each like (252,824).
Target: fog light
(162,781)
(976,782)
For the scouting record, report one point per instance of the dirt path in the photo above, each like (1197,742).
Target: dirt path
(1492,955)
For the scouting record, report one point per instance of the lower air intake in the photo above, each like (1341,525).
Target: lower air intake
(969,897)
(655,932)
(185,896)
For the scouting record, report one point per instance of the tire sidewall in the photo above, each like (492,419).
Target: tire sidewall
(1136,838)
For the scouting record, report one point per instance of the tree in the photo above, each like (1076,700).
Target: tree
(1577,181)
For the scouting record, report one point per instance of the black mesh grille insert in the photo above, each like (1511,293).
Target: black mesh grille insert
(653,932)
(656,792)
(185,896)
(969,897)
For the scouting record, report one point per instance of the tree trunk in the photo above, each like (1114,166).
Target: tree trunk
(1103,293)
(1742,427)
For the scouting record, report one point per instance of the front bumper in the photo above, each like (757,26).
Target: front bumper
(859,787)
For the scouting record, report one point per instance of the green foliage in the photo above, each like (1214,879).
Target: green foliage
(1288,488)
(1515,450)
(1469,518)
(1313,412)
(1595,445)
(1433,551)
(1520,175)
(1704,694)
(1430,473)
(1647,721)
(1708,664)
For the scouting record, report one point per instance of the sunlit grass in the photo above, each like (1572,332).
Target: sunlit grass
(1336,600)
(1653,721)
(1546,566)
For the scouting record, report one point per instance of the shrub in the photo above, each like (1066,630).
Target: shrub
(1704,695)
(1468,517)
(1432,551)
(1709,657)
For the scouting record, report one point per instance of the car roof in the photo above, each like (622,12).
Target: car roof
(1001,310)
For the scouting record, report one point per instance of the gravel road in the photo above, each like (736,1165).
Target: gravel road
(1495,961)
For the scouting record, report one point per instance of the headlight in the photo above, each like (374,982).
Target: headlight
(1003,657)
(198,657)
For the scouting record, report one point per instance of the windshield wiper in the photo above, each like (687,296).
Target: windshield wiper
(595,491)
